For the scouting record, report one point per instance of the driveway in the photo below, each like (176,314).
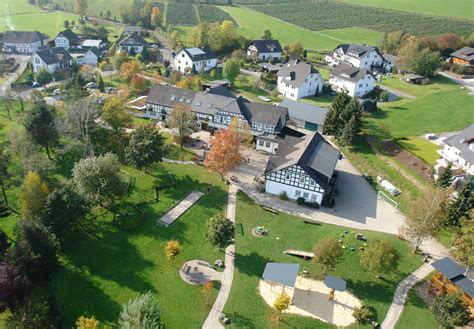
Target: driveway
(357,204)
(466,83)
(23,61)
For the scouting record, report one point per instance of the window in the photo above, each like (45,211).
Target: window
(302,179)
(287,176)
(260,143)
(312,182)
(182,55)
(314,197)
(267,144)
(360,86)
(297,193)
(305,195)
(366,84)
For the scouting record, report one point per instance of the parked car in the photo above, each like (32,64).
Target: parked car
(35,84)
(57,92)
(90,85)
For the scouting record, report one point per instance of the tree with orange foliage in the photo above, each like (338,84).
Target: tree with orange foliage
(138,82)
(206,291)
(448,42)
(155,17)
(225,152)
(129,69)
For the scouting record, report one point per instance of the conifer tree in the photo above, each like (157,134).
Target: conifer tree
(444,180)
(349,132)
(462,204)
(332,123)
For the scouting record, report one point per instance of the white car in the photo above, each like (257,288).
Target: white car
(90,85)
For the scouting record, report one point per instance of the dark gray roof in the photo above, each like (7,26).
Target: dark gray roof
(70,35)
(96,51)
(209,103)
(263,113)
(54,55)
(464,142)
(348,72)
(312,153)
(356,50)
(305,112)
(170,96)
(295,72)
(200,54)
(283,273)
(334,282)
(465,53)
(466,284)
(22,37)
(267,46)
(391,58)
(448,267)
(133,40)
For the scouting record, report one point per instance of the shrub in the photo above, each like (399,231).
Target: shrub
(384,97)
(363,314)
(370,105)
(300,201)
(141,312)
(312,205)
(43,77)
(283,195)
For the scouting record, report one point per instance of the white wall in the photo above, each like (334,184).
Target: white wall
(272,187)
(61,42)
(27,48)
(451,154)
(90,59)
(183,61)
(312,83)
(266,146)
(359,89)
(262,56)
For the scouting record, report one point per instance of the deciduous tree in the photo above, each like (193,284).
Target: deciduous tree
(173,249)
(231,69)
(80,7)
(145,146)
(79,121)
(4,172)
(267,35)
(14,287)
(32,196)
(225,152)
(115,114)
(84,322)
(450,311)
(243,130)
(141,312)
(182,121)
(129,69)
(379,257)
(327,253)
(155,17)
(40,125)
(206,291)
(220,231)
(295,49)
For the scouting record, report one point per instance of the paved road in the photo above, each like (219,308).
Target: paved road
(398,92)
(467,83)
(401,293)
(212,320)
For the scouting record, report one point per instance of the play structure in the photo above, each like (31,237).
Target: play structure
(298,253)
(174,213)
(259,231)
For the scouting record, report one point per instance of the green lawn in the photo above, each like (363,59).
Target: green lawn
(422,148)
(456,8)
(13,7)
(252,23)
(248,310)
(416,311)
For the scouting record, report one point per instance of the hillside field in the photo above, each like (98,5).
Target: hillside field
(454,8)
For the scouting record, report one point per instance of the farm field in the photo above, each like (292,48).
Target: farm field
(252,23)
(14,7)
(325,15)
(247,309)
(96,7)
(455,8)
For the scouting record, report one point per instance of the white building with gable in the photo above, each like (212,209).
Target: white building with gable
(297,80)
(199,59)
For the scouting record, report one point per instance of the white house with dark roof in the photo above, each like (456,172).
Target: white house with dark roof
(265,50)
(23,42)
(306,116)
(297,79)
(197,59)
(132,41)
(303,167)
(459,151)
(51,60)
(361,56)
(92,56)
(356,81)
(67,39)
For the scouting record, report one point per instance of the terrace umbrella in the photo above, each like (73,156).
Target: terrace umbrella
(334,283)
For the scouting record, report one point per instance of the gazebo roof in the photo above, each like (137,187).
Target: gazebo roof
(334,282)
(283,273)
(448,268)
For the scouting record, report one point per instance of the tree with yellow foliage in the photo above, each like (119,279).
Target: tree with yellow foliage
(155,17)
(32,196)
(173,249)
(87,323)
(115,114)
(243,130)
(282,302)
(129,69)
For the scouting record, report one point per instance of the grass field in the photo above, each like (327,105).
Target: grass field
(13,7)
(252,23)
(416,311)
(245,306)
(422,148)
(455,8)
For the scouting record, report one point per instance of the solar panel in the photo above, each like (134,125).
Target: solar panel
(195,51)
(173,98)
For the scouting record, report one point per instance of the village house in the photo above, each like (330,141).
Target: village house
(306,116)
(265,50)
(132,43)
(67,39)
(214,110)
(195,60)
(297,80)
(92,56)
(51,60)
(356,81)
(304,167)
(464,57)
(23,42)
(132,29)
(361,56)
(459,151)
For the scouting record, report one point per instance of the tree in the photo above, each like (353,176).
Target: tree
(231,69)
(155,17)
(66,24)
(450,311)
(138,83)
(84,322)
(35,313)
(145,146)
(242,129)
(4,173)
(426,63)
(295,49)
(14,287)
(408,52)
(36,250)
(64,208)
(220,231)
(444,180)
(4,242)
(327,253)
(141,312)
(43,77)
(173,249)
(79,121)
(332,122)
(225,152)
(448,42)
(425,217)
(206,291)
(101,84)
(129,69)
(7,102)
(393,41)
(349,132)
(462,243)
(266,35)
(115,114)
(282,302)
(32,196)
(462,204)
(98,178)
(40,125)
(379,257)
(80,7)
(5,210)
(182,121)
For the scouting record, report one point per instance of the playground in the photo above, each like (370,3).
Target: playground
(198,272)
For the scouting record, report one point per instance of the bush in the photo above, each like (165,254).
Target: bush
(43,77)
(314,205)
(370,105)
(363,315)
(384,97)
(283,195)
(300,201)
